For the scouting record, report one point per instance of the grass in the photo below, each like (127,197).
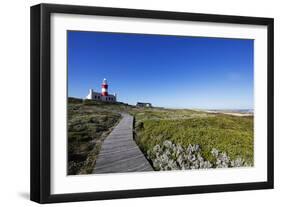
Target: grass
(88,125)
(230,134)
(89,122)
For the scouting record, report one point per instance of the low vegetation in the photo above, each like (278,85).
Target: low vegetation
(229,135)
(88,125)
(169,138)
(170,156)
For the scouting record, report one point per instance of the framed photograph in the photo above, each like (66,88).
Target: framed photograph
(133,103)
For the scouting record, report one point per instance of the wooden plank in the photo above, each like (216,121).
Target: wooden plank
(131,164)
(119,152)
(120,157)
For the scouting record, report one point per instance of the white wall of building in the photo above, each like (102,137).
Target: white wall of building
(92,95)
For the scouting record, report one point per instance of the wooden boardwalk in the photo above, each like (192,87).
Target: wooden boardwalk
(119,152)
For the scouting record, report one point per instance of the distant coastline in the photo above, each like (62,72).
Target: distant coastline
(234,112)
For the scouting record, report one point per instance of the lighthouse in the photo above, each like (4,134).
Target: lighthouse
(104,95)
(104,88)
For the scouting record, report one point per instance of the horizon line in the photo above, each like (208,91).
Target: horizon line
(175,107)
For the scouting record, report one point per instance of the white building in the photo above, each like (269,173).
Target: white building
(141,104)
(103,96)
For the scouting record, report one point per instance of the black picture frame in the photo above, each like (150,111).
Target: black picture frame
(41,96)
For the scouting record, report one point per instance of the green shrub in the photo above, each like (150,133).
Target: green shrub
(88,124)
(230,134)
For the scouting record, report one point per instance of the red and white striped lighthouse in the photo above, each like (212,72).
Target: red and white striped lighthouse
(104,88)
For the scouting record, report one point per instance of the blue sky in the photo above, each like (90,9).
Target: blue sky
(167,71)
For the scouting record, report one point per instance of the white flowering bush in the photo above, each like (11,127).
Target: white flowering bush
(170,156)
(223,161)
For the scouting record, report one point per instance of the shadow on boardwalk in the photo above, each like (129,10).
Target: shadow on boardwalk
(119,152)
